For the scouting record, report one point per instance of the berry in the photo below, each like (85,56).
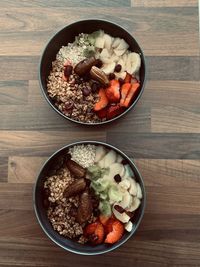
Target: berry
(117,230)
(118,68)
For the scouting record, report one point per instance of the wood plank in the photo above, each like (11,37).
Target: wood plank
(42,143)
(27,68)
(177,94)
(3,169)
(154,253)
(164,3)
(181,68)
(174,120)
(157,146)
(13,92)
(16,196)
(22,224)
(65,3)
(169,38)
(168,172)
(24,169)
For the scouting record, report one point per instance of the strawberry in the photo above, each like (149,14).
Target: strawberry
(104,219)
(102,113)
(124,92)
(113,91)
(117,230)
(113,111)
(94,232)
(103,100)
(128,78)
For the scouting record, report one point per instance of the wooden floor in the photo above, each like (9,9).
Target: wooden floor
(162,134)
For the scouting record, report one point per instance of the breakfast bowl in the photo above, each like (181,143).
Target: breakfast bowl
(92,72)
(89,197)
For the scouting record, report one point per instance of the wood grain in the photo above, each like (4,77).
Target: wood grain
(32,143)
(161,133)
(169,39)
(164,3)
(24,169)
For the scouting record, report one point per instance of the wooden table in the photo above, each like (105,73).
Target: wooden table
(162,134)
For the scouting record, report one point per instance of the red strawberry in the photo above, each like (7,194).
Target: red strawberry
(113,91)
(117,230)
(113,111)
(94,232)
(102,113)
(104,219)
(128,78)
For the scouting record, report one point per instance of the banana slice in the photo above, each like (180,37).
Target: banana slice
(109,68)
(116,42)
(99,43)
(122,45)
(128,226)
(119,52)
(139,191)
(135,62)
(135,204)
(108,41)
(126,200)
(122,217)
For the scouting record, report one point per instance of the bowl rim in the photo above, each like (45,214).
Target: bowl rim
(114,246)
(88,123)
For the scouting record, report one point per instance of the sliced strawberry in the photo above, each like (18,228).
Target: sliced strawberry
(132,92)
(128,78)
(108,225)
(102,113)
(114,111)
(94,232)
(113,91)
(103,100)
(117,230)
(104,219)
(124,92)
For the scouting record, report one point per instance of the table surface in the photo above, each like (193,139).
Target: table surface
(162,133)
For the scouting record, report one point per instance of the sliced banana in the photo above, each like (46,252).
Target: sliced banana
(122,45)
(108,68)
(133,186)
(122,217)
(108,41)
(99,43)
(105,53)
(135,63)
(116,42)
(139,191)
(128,226)
(100,153)
(124,184)
(110,158)
(126,200)
(135,204)
(119,52)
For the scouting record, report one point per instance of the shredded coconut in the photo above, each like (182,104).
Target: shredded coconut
(83,154)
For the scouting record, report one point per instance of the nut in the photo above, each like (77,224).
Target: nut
(99,75)
(84,66)
(85,208)
(75,188)
(76,169)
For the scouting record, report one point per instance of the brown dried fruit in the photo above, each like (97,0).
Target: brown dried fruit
(99,75)
(119,208)
(85,208)
(75,188)
(76,169)
(84,66)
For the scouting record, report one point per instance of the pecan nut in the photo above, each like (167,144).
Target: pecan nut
(77,170)
(75,188)
(99,75)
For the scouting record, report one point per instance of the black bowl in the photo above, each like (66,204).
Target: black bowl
(67,35)
(68,244)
